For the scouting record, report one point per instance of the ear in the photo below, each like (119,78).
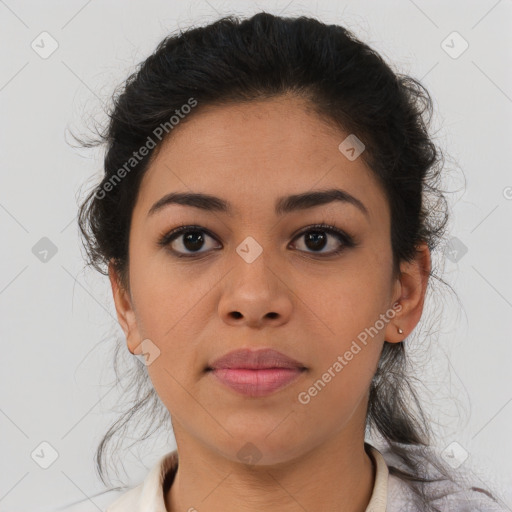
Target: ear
(124,309)
(410,290)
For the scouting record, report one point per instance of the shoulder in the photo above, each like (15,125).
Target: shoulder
(148,496)
(401,497)
(455,495)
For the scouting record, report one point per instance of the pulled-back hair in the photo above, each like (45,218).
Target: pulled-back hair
(347,84)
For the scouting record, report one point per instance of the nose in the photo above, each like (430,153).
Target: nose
(255,295)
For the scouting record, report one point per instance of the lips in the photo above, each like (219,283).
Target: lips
(256,373)
(255,360)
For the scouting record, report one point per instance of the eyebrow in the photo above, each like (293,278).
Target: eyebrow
(284,205)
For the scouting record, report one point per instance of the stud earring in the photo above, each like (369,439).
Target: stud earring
(400,331)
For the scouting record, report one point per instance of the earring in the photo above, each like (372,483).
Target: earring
(400,331)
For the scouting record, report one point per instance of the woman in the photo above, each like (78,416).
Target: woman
(266,219)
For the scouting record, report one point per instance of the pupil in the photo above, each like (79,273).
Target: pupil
(193,241)
(318,239)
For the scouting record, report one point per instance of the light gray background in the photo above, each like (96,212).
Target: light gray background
(56,319)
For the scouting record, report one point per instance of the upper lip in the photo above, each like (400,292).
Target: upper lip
(255,360)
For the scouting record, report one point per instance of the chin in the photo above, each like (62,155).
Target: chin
(262,445)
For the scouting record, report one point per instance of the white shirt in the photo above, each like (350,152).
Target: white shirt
(390,493)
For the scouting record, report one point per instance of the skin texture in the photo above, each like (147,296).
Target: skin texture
(290,299)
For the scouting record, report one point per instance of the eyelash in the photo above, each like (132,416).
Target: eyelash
(347,240)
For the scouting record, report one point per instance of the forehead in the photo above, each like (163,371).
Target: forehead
(251,153)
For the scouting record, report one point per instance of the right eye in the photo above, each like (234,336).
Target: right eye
(183,239)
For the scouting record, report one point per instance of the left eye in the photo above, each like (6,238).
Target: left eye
(316,238)
(192,238)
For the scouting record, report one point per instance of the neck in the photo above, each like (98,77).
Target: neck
(338,475)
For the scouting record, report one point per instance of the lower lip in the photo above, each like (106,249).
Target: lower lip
(256,382)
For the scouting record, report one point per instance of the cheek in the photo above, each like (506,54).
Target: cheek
(165,293)
(350,301)
(347,349)
(168,308)
(350,306)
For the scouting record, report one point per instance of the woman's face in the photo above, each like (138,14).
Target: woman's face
(254,277)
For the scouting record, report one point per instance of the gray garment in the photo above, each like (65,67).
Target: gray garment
(447,496)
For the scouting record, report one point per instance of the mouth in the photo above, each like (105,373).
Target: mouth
(256,383)
(256,373)
(261,359)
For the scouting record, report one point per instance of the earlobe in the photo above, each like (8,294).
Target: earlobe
(412,287)
(124,309)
